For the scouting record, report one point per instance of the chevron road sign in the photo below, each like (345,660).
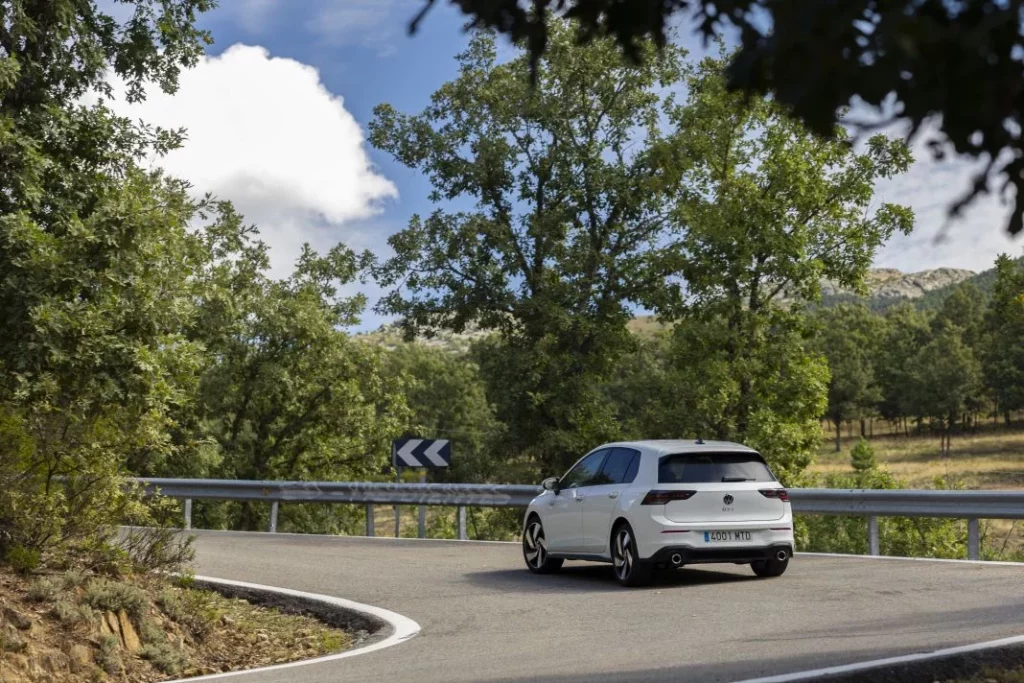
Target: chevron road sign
(428,453)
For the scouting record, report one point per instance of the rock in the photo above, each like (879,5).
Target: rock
(892,283)
(80,658)
(12,641)
(129,637)
(227,621)
(109,626)
(262,637)
(20,621)
(53,662)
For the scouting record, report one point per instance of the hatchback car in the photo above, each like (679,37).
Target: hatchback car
(642,505)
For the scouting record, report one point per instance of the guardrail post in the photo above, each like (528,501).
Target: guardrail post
(188,514)
(873,544)
(423,509)
(462,523)
(369,520)
(973,540)
(272,527)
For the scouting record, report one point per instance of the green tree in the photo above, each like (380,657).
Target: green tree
(288,394)
(96,266)
(770,210)
(945,381)
(1003,347)
(905,332)
(815,58)
(551,203)
(847,336)
(447,399)
(963,308)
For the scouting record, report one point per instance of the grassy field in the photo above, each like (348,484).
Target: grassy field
(991,458)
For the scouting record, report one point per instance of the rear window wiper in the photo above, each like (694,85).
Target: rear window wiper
(736,479)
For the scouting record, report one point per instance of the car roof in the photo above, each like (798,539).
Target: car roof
(665,446)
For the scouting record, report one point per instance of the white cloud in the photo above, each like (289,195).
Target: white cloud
(930,187)
(265,133)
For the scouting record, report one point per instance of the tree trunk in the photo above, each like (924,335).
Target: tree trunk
(863,429)
(839,435)
(1006,417)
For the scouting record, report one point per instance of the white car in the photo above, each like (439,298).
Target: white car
(643,505)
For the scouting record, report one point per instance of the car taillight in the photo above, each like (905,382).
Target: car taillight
(781,494)
(662,497)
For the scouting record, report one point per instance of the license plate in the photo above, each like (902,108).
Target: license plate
(727,536)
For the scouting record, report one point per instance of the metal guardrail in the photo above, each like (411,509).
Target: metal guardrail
(869,503)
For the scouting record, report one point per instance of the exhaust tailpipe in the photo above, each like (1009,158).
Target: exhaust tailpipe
(676,559)
(781,555)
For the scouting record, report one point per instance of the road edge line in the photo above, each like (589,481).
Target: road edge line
(991,563)
(859,667)
(402,628)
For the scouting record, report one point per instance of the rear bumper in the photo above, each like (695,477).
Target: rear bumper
(691,555)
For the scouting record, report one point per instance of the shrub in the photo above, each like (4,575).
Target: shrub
(109,656)
(863,457)
(195,610)
(23,560)
(164,657)
(74,578)
(112,596)
(42,590)
(70,614)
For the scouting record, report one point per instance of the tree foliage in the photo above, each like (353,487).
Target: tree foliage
(848,337)
(96,266)
(769,208)
(902,58)
(1003,351)
(554,200)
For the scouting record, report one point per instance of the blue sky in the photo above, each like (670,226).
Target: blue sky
(278,113)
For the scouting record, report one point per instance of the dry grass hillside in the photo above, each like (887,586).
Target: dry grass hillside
(77,628)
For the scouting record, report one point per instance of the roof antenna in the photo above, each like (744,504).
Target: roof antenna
(700,441)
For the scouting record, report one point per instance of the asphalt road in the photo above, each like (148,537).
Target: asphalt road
(485,618)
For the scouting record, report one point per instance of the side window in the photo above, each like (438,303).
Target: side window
(585,471)
(634,467)
(620,467)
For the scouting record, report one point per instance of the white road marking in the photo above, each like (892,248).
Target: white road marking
(994,563)
(891,661)
(403,628)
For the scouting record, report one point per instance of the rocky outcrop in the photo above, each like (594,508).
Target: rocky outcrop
(894,284)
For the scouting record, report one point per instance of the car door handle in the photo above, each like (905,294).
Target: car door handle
(613,494)
(579,498)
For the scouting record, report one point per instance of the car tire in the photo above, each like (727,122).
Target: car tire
(629,569)
(767,569)
(535,551)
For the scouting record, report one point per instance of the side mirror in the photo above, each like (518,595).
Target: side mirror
(550,484)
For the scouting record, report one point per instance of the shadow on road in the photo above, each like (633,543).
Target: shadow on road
(597,577)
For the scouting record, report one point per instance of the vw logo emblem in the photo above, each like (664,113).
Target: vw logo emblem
(728,499)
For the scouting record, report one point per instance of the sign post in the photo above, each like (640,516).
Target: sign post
(423,454)
(398,480)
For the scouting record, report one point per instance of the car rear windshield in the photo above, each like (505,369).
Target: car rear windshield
(717,467)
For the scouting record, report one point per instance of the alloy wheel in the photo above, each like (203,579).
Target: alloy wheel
(536,549)
(623,556)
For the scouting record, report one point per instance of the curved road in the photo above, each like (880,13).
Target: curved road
(485,618)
